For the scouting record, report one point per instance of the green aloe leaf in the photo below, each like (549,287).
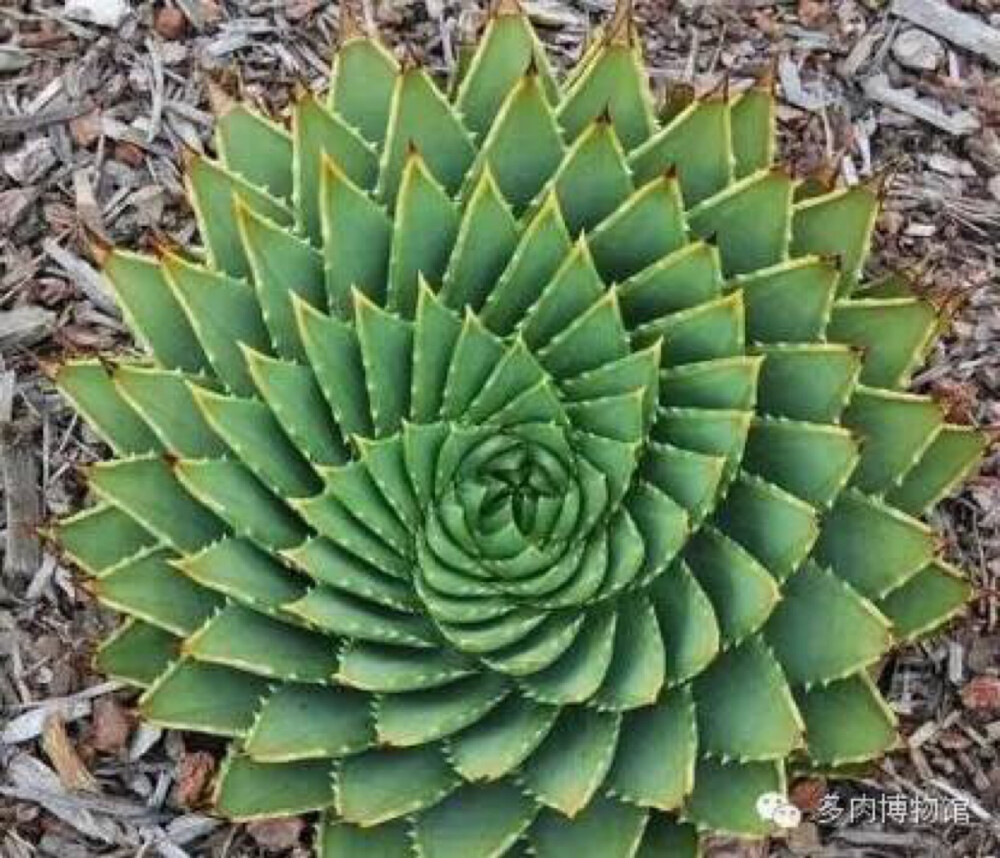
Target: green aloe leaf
(745,708)
(824,629)
(137,653)
(381,785)
(101,537)
(249,641)
(474,820)
(872,546)
(697,145)
(303,722)
(953,453)
(150,588)
(256,148)
(931,597)
(389,840)
(895,334)
(249,790)
(165,401)
(572,762)
(153,312)
(847,721)
(650,735)
(208,698)
(89,386)
(605,827)
(145,487)
(361,85)
(838,224)
(725,795)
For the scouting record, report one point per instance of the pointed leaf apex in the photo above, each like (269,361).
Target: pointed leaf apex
(350,26)
(220,102)
(621,28)
(768,79)
(101,249)
(504,8)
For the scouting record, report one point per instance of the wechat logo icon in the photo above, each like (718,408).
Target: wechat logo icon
(776,808)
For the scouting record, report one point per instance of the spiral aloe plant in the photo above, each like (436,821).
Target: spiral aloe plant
(515,471)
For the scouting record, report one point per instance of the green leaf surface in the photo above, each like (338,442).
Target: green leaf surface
(742,592)
(361,86)
(725,796)
(930,598)
(89,386)
(474,820)
(213,191)
(847,721)
(824,629)
(813,461)
(807,382)
(874,547)
(750,220)
(571,763)
(895,430)
(223,313)
(165,401)
(502,740)
(150,588)
(422,118)
(249,790)
(777,528)
(207,698)
(384,784)
(419,717)
(250,641)
(895,334)
(955,451)
(153,312)
(425,229)
(146,489)
(100,537)
(745,707)
(838,224)
(319,134)
(254,147)
(242,501)
(137,653)
(696,145)
(357,236)
(282,264)
(303,722)
(657,750)
(604,828)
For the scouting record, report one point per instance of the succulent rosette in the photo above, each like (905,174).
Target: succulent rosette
(518,470)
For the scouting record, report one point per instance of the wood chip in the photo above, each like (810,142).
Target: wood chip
(958,124)
(960,29)
(62,754)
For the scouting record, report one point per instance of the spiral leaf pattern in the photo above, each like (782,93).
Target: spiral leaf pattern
(518,470)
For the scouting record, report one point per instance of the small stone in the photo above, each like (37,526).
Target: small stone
(814,13)
(918,50)
(276,835)
(170,23)
(129,153)
(193,775)
(983,692)
(86,129)
(103,13)
(111,727)
(807,794)
(31,162)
